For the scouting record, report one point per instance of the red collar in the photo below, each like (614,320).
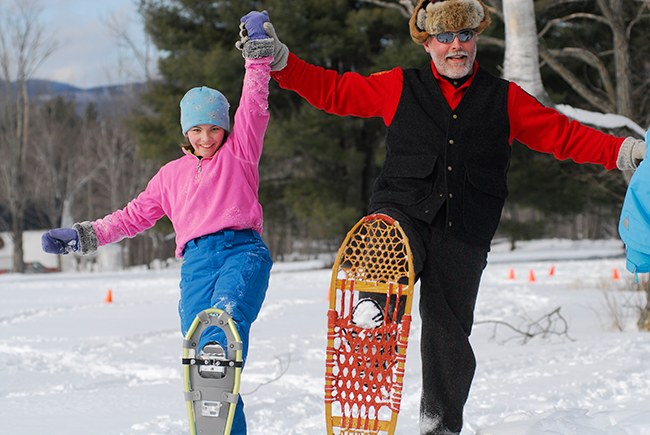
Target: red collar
(451,94)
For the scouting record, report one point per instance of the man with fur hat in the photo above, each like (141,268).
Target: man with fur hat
(449,130)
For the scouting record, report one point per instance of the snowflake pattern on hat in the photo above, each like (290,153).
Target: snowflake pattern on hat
(211,99)
(214,116)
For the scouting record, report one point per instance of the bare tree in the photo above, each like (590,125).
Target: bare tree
(91,152)
(613,96)
(142,52)
(23,48)
(59,165)
(122,175)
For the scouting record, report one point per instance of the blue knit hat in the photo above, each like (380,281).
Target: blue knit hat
(204,106)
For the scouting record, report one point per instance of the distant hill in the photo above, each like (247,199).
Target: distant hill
(38,88)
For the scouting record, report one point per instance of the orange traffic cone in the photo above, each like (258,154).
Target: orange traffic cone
(552,271)
(531,276)
(615,275)
(511,275)
(109,297)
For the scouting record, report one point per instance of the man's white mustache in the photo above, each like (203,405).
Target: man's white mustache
(457,53)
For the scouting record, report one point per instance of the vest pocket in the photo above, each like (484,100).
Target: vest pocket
(484,193)
(403,179)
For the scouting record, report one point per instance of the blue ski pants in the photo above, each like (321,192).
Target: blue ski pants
(228,270)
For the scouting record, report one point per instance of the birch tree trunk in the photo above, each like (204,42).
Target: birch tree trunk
(521,61)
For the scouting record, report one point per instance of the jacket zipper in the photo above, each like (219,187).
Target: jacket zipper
(198,168)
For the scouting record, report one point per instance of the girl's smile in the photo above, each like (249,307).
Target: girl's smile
(206,139)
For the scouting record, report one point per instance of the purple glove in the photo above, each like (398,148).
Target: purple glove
(60,241)
(254,22)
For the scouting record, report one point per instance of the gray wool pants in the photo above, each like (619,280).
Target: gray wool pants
(449,271)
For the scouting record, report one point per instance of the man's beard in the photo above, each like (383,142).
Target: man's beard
(454,71)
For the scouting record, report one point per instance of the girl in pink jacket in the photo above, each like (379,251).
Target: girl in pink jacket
(210,195)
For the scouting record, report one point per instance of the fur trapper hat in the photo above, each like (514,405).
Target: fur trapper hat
(431,17)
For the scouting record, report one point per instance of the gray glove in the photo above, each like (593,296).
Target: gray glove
(280,51)
(243,37)
(630,154)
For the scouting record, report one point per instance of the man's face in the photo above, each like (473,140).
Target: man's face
(455,59)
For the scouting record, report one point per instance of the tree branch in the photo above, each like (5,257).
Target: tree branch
(118,26)
(489,40)
(549,324)
(602,104)
(571,17)
(283,370)
(406,8)
(637,18)
(590,59)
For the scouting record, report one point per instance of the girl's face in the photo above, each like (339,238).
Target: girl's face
(206,139)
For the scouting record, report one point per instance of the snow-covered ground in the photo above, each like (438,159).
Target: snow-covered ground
(72,364)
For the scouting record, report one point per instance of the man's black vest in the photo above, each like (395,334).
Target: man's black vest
(436,156)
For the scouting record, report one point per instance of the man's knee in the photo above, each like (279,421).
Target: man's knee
(414,231)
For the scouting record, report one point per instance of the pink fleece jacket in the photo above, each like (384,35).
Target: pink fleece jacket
(205,196)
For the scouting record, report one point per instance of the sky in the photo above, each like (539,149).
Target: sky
(88,54)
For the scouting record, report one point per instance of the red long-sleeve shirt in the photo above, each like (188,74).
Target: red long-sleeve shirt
(378,95)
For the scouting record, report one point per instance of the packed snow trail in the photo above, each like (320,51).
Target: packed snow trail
(72,364)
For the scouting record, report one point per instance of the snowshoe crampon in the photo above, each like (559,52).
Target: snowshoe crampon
(212,385)
(368,326)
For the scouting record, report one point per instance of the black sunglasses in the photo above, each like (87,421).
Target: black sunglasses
(448,37)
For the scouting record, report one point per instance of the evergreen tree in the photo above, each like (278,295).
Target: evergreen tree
(317,170)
